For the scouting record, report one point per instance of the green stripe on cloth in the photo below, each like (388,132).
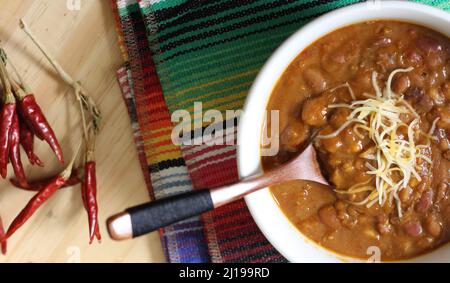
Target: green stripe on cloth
(219,52)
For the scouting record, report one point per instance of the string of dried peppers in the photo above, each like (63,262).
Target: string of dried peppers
(21,120)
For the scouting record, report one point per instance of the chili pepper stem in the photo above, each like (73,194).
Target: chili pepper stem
(50,58)
(7,61)
(6,84)
(83,119)
(19,91)
(68,171)
(9,96)
(79,91)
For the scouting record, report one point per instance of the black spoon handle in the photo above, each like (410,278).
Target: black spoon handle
(151,216)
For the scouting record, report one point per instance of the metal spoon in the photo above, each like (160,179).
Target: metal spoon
(146,218)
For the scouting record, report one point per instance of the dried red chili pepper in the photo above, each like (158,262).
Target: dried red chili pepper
(38,185)
(32,114)
(90,190)
(83,197)
(7,114)
(14,153)
(3,242)
(33,205)
(27,142)
(42,196)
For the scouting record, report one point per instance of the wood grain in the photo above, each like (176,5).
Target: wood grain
(84,42)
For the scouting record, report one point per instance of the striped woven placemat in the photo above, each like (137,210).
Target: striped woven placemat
(179,52)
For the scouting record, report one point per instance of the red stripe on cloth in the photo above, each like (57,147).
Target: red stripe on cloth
(215,158)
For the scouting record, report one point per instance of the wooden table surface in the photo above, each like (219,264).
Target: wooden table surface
(85,44)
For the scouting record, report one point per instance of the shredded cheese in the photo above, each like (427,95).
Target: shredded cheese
(394,159)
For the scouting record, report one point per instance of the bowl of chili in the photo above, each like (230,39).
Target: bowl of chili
(280,229)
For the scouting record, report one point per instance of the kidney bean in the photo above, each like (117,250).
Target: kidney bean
(401,84)
(413,228)
(414,93)
(412,57)
(425,201)
(328,216)
(428,44)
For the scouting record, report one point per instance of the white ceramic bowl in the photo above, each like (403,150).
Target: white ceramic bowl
(272,222)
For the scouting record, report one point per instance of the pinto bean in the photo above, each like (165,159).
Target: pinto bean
(339,117)
(341,206)
(425,242)
(401,84)
(384,228)
(315,111)
(444,142)
(433,226)
(339,57)
(425,201)
(446,155)
(444,115)
(446,90)
(434,60)
(387,57)
(328,216)
(413,228)
(418,78)
(405,194)
(437,96)
(315,80)
(294,135)
(442,191)
(332,145)
(382,41)
(425,104)
(339,179)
